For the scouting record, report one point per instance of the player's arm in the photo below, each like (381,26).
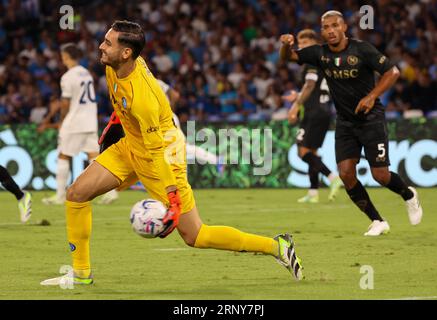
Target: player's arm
(310,83)
(286,52)
(46,122)
(64,107)
(148,119)
(310,55)
(381,64)
(173,96)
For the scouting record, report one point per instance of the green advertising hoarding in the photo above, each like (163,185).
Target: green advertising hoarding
(257,154)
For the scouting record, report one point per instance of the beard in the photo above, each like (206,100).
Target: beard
(105,60)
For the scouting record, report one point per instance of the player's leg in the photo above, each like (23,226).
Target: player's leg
(94,181)
(111,195)
(322,127)
(106,173)
(24,198)
(68,146)
(190,224)
(304,152)
(309,155)
(310,138)
(199,235)
(113,134)
(377,153)
(9,184)
(355,190)
(203,156)
(62,175)
(360,197)
(348,152)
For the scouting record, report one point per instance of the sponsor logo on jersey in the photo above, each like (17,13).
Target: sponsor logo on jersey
(324,59)
(342,74)
(152,129)
(72,246)
(124,102)
(352,60)
(382,59)
(380,159)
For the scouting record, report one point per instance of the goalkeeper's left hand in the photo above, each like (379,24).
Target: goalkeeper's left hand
(171,219)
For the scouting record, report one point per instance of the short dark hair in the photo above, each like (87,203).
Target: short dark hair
(72,50)
(307,34)
(131,35)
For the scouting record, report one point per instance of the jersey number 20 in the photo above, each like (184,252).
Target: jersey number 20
(87,92)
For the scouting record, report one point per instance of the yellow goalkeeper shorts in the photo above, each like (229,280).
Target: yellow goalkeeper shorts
(130,168)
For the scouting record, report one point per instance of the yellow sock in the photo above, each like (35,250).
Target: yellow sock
(228,238)
(78,232)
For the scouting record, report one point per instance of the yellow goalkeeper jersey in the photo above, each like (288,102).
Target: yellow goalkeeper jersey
(145,115)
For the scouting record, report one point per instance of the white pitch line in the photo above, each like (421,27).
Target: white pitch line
(416,298)
(170,249)
(58,221)
(120,218)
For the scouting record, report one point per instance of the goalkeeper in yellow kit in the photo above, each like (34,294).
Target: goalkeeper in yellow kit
(152,151)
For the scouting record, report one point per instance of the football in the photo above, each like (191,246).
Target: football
(146,218)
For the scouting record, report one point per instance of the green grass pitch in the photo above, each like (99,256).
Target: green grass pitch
(329,238)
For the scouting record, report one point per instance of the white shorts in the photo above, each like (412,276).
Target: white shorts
(70,144)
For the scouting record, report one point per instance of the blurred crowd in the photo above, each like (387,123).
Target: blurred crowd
(221,56)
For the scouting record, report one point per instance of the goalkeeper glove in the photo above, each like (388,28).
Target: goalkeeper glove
(171,219)
(112,133)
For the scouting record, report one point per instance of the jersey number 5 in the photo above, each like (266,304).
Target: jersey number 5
(381,149)
(87,92)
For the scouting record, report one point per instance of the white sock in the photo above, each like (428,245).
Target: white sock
(313,192)
(112,193)
(201,154)
(332,176)
(62,174)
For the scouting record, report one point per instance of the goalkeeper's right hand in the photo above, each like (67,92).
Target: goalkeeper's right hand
(171,219)
(112,133)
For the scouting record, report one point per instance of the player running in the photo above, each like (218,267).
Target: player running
(78,131)
(152,151)
(23,197)
(313,102)
(349,66)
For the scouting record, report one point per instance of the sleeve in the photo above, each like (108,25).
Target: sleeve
(311,73)
(309,55)
(66,87)
(375,59)
(147,115)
